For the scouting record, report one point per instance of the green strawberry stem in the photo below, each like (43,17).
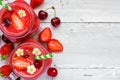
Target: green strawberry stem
(2,3)
(3,57)
(1,75)
(45,56)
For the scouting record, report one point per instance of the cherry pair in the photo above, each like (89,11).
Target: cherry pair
(54,21)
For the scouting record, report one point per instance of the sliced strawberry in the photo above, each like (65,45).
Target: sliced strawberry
(55,46)
(21,63)
(5,71)
(18,23)
(45,35)
(5,50)
(36,3)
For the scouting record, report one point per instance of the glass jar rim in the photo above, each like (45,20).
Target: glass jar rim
(31,17)
(24,44)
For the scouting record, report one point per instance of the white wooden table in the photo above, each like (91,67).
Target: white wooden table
(90,33)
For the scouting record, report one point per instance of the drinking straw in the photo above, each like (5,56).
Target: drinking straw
(5,5)
(45,56)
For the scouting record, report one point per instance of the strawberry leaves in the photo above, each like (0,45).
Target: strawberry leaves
(3,57)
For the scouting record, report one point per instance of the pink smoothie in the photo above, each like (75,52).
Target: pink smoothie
(23,21)
(27,48)
(30,59)
(19,25)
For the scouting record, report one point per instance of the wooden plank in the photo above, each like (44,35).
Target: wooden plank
(87,74)
(87,44)
(84,10)
(91,50)
(45,77)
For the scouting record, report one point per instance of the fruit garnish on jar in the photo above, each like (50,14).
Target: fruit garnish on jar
(24,59)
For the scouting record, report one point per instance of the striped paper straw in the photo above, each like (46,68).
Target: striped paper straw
(45,56)
(5,5)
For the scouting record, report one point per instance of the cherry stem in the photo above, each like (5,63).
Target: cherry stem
(53,9)
(47,9)
(28,51)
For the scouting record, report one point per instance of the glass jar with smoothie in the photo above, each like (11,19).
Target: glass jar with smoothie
(22,60)
(20,22)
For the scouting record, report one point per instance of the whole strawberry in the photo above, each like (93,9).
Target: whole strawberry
(36,3)
(5,71)
(6,50)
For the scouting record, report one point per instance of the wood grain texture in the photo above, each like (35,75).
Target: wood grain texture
(91,51)
(87,47)
(84,10)
(87,74)
(87,44)
(90,33)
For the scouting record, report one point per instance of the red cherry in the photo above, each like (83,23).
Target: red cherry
(5,39)
(26,56)
(53,72)
(42,15)
(37,64)
(18,78)
(55,21)
(7,22)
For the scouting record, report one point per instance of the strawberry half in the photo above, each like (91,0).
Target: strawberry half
(36,3)
(18,23)
(45,35)
(5,50)
(5,71)
(55,46)
(21,63)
